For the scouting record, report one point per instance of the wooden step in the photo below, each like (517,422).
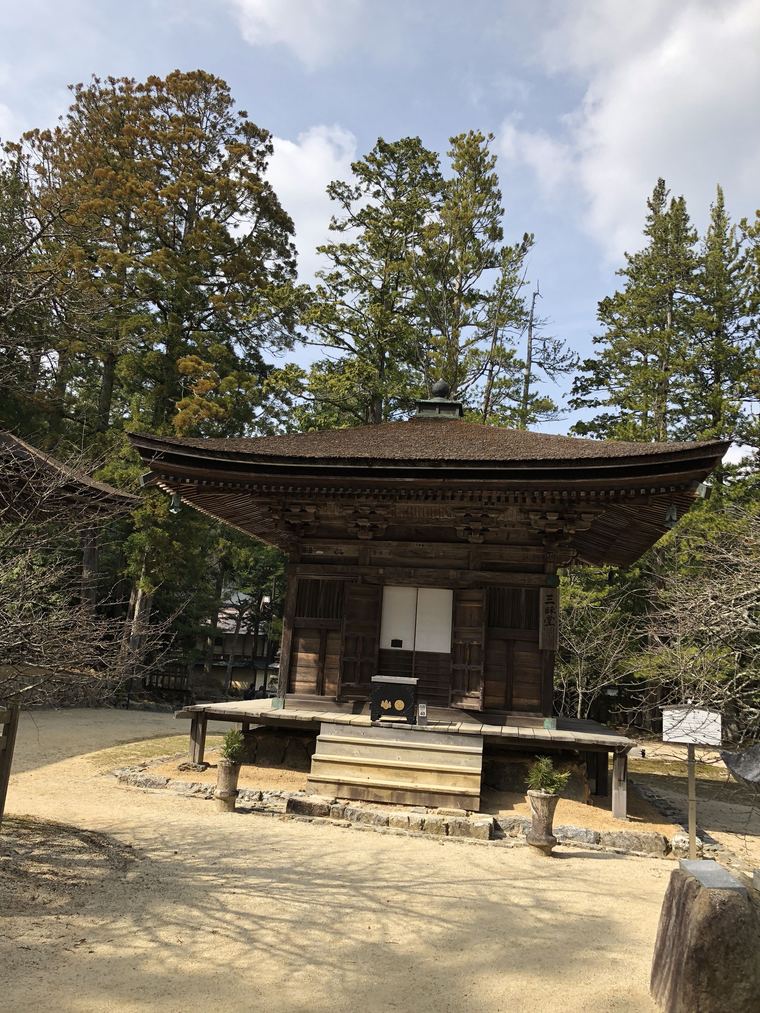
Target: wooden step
(355,740)
(410,766)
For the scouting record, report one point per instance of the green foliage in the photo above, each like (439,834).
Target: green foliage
(677,354)
(233,746)
(543,777)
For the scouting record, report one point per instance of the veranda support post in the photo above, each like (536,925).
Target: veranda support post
(620,785)
(198,736)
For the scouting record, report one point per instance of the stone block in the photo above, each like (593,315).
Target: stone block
(707,953)
(637,842)
(576,835)
(435,825)
(368,817)
(679,844)
(308,805)
(513,826)
(398,821)
(150,781)
(249,796)
(445,811)
(416,821)
(337,811)
(478,828)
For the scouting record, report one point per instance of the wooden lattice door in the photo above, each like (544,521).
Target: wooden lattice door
(361,635)
(467,648)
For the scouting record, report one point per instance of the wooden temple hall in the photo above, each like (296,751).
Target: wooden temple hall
(423,570)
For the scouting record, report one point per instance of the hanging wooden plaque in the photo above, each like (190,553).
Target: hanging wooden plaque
(548,633)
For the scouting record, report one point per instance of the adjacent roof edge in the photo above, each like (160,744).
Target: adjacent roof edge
(12,442)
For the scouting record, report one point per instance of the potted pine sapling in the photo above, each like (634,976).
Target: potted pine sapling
(228,770)
(545,785)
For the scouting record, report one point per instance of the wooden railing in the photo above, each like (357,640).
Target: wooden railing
(167,681)
(8,726)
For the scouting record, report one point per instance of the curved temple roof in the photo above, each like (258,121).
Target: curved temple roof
(622,490)
(418,441)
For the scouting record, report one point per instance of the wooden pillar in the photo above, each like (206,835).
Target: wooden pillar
(620,785)
(286,644)
(198,736)
(548,640)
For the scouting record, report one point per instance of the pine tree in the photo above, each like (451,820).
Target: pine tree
(722,351)
(468,284)
(361,304)
(639,373)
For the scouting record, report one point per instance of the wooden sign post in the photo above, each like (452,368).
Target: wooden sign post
(8,726)
(691,726)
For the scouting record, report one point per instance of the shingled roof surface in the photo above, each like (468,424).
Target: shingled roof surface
(428,440)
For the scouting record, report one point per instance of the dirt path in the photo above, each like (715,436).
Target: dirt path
(247,912)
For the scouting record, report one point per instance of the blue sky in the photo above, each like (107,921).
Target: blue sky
(590,101)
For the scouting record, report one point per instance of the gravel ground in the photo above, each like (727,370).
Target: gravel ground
(164,905)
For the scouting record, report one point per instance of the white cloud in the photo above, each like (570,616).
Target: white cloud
(299,172)
(314,30)
(549,159)
(671,90)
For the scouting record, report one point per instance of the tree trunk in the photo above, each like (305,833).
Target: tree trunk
(89,567)
(105,395)
(231,656)
(528,371)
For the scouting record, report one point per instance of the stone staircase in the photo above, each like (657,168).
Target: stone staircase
(410,766)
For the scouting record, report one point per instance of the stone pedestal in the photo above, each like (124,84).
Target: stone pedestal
(707,954)
(542,806)
(226,791)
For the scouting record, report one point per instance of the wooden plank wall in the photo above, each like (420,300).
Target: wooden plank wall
(496,662)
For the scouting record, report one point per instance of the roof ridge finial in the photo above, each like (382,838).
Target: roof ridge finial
(439,405)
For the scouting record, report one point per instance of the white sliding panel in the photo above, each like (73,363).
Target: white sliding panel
(397,622)
(434,607)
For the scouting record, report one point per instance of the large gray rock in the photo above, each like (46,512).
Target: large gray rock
(513,826)
(576,835)
(679,844)
(707,954)
(636,841)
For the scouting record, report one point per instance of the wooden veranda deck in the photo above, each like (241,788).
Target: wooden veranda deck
(520,731)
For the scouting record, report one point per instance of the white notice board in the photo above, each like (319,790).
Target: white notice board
(691,725)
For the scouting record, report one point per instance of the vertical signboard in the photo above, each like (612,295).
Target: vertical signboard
(548,632)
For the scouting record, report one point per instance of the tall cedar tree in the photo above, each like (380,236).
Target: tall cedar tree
(639,372)
(180,246)
(178,270)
